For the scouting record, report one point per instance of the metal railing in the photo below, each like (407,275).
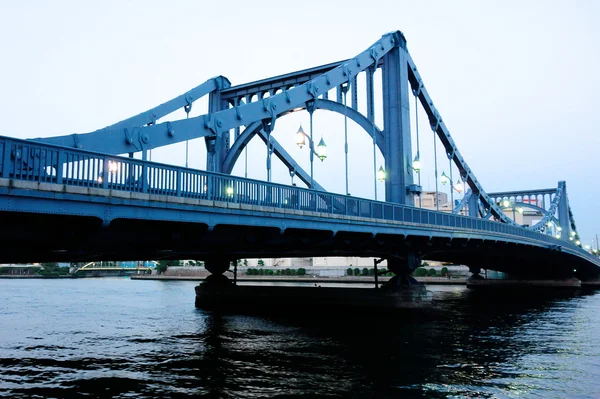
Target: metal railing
(44,163)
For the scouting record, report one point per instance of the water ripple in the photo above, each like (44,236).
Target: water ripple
(117,338)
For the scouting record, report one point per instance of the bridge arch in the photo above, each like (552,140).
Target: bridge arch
(252,129)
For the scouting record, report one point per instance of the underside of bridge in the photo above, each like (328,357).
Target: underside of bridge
(52,238)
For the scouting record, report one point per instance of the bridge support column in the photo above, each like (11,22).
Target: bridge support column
(563,214)
(216,281)
(217,265)
(402,268)
(396,120)
(473,205)
(475,270)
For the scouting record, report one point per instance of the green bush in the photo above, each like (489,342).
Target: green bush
(365,271)
(292,272)
(356,271)
(432,272)
(261,272)
(444,271)
(420,272)
(269,272)
(278,272)
(287,272)
(371,272)
(349,271)
(301,272)
(424,264)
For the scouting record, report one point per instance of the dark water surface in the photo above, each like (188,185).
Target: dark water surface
(119,338)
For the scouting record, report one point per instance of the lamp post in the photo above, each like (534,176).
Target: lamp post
(458,187)
(416,166)
(345,91)
(511,204)
(321,151)
(381,174)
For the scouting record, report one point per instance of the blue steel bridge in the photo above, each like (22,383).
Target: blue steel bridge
(74,198)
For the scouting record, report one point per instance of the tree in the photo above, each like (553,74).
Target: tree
(432,272)
(420,272)
(245,262)
(349,271)
(161,266)
(356,271)
(261,262)
(444,271)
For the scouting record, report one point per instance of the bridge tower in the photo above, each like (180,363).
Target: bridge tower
(563,213)
(396,121)
(398,151)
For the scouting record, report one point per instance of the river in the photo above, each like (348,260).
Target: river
(122,338)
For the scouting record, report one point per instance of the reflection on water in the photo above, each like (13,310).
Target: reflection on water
(120,338)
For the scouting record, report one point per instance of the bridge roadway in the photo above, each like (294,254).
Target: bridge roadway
(65,204)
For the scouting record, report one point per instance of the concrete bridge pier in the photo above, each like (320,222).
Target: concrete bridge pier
(217,266)
(402,268)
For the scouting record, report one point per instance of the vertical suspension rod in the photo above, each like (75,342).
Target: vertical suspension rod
(418,148)
(437,202)
(312,150)
(345,91)
(451,186)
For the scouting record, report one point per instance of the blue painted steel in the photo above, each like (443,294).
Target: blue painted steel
(94,170)
(121,141)
(396,119)
(255,128)
(231,107)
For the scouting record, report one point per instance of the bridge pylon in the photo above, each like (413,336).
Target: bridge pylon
(396,119)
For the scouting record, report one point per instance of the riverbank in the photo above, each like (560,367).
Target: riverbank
(309,279)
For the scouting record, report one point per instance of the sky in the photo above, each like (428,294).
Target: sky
(515,81)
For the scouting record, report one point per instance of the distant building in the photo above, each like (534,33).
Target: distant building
(20,270)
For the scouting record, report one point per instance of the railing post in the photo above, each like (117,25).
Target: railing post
(209,187)
(144,177)
(105,167)
(178,188)
(298,198)
(6,158)
(60,162)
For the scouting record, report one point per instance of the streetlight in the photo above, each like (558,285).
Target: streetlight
(381,174)
(301,137)
(444,178)
(459,186)
(321,151)
(511,204)
(416,164)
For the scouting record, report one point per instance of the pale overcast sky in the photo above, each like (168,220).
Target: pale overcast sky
(515,81)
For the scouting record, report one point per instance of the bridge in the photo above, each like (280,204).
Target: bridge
(99,268)
(76,198)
